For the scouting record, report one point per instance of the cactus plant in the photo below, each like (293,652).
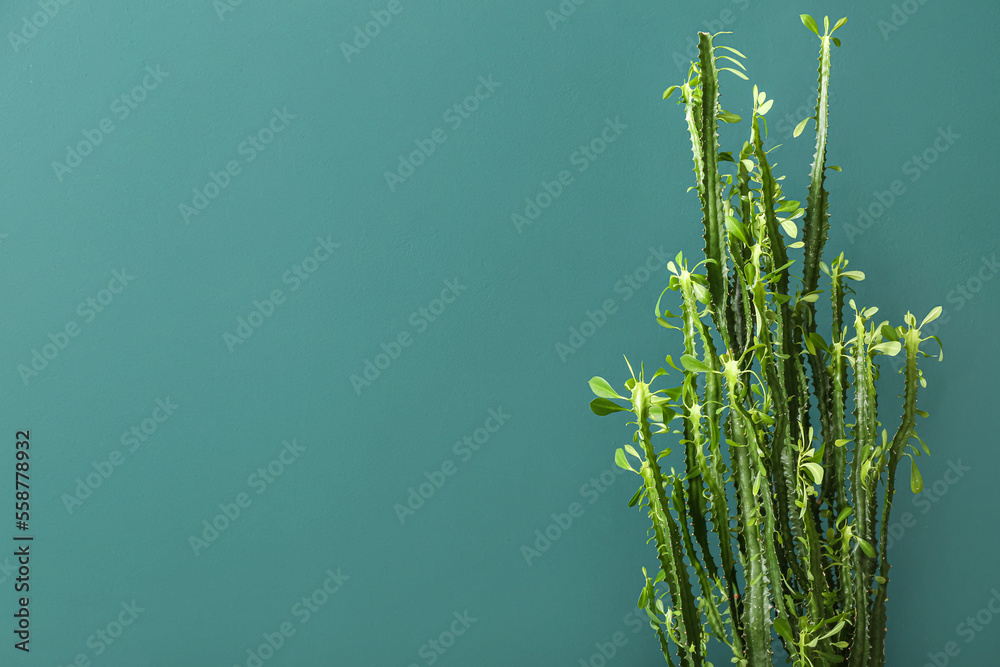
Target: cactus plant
(781,521)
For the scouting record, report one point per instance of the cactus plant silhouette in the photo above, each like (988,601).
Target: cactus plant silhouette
(782,521)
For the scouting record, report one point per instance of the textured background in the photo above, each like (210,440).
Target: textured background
(911,84)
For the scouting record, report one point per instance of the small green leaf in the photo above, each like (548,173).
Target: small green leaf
(727,117)
(735,228)
(838,24)
(922,443)
(669,91)
(834,167)
(732,50)
(732,60)
(916,481)
(843,514)
(734,71)
(635,498)
(764,108)
(867,548)
(694,365)
(784,629)
(853,275)
(601,388)
(790,228)
(788,206)
(940,347)
(817,341)
(657,309)
(659,413)
(889,348)
(801,126)
(603,406)
(837,628)
(816,470)
(629,370)
(621,460)
(810,23)
(931,316)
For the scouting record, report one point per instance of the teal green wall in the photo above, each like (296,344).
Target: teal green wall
(351,452)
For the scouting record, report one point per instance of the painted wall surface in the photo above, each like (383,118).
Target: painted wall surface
(300,300)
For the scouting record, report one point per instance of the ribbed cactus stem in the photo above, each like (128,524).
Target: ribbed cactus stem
(808,546)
